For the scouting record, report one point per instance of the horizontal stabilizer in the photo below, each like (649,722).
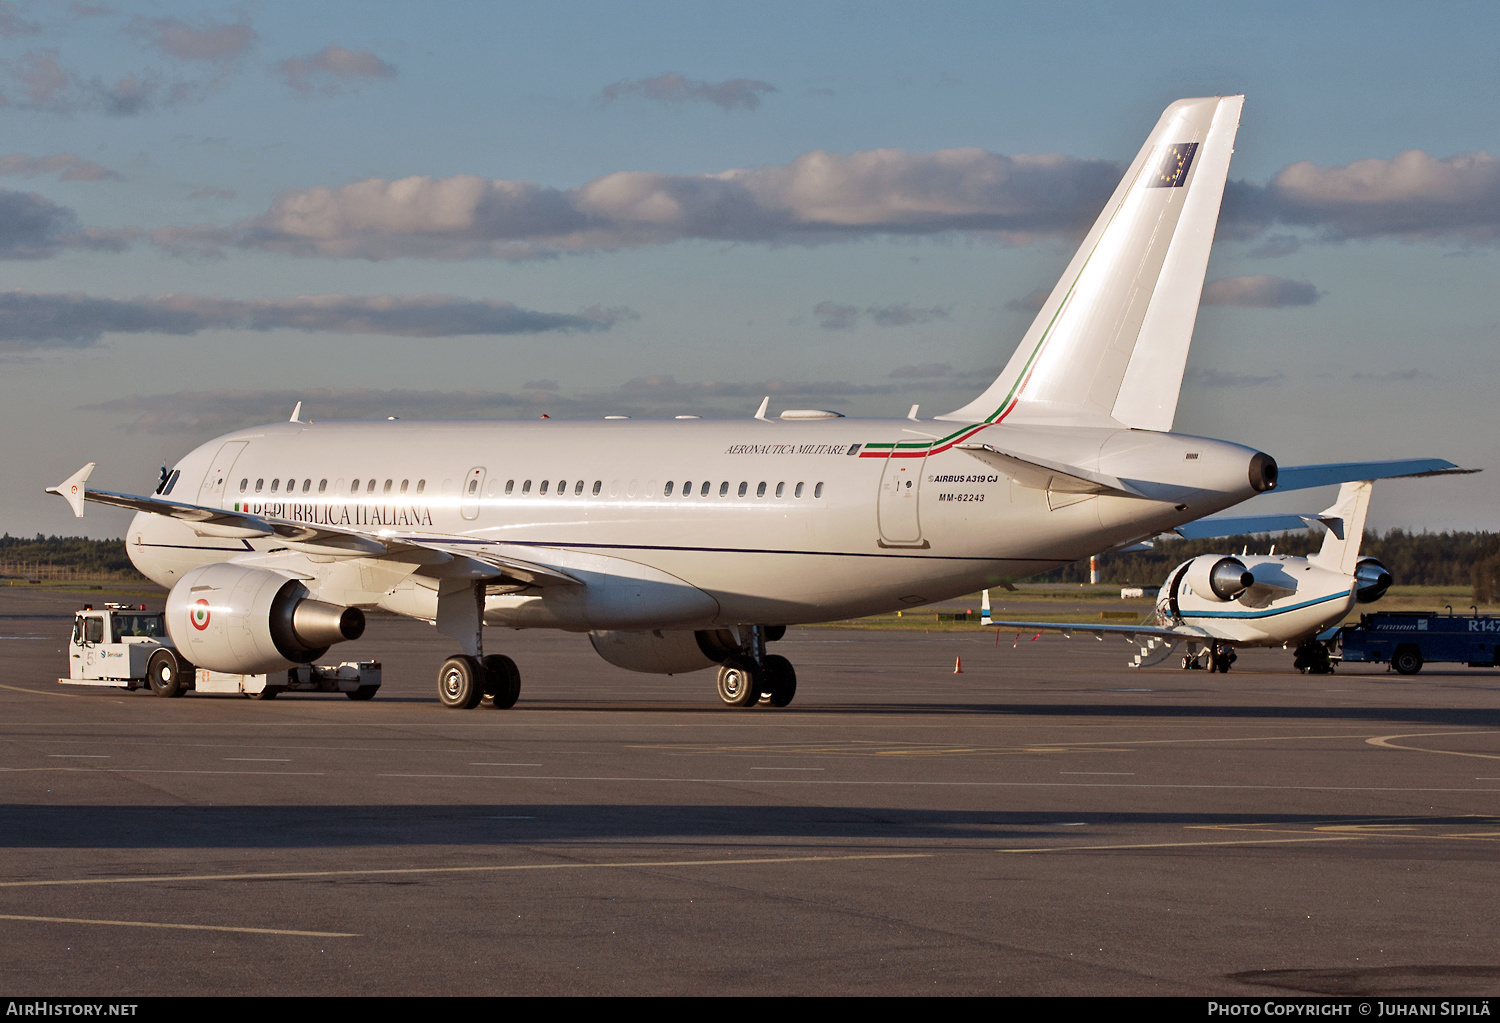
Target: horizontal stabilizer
(1242,525)
(1301,477)
(1039,474)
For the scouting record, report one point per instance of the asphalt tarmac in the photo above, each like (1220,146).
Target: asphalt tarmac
(1047,822)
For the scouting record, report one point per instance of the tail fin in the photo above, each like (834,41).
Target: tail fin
(1111,341)
(1346,528)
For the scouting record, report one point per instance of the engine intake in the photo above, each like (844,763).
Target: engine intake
(1371,580)
(251,621)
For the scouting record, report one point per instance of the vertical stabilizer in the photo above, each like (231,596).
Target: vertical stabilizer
(1111,341)
(1346,528)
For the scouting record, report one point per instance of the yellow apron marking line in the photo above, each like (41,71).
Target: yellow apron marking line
(177,927)
(495,868)
(1385,742)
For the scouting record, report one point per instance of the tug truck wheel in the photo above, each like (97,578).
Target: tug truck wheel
(1407,660)
(740,681)
(461,682)
(362,693)
(781,680)
(502,681)
(166,674)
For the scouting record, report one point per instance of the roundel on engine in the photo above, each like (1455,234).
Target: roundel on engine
(249,621)
(1217,577)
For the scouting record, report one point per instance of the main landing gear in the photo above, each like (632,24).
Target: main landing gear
(751,676)
(465,681)
(1312,658)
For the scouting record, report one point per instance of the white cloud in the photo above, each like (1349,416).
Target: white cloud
(819,197)
(1260,291)
(217,42)
(1412,196)
(67,166)
(32,227)
(31,320)
(735,94)
(330,70)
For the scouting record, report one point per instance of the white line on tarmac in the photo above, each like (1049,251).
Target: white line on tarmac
(176,927)
(292,875)
(937,784)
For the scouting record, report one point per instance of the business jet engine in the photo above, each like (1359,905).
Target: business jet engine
(1218,578)
(250,621)
(1371,580)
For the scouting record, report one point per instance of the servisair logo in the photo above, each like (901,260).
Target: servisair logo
(199,614)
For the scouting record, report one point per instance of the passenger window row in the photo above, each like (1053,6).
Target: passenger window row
(704,489)
(671,486)
(291,486)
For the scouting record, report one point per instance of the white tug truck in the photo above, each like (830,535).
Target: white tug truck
(126,646)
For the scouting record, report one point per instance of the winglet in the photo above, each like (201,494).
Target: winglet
(295,413)
(765,403)
(72,489)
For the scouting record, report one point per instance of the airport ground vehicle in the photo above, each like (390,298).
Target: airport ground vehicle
(1410,639)
(127,646)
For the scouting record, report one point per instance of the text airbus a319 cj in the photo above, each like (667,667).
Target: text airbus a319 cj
(683,544)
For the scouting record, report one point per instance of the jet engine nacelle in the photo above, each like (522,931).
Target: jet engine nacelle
(1371,580)
(663,652)
(1217,577)
(249,621)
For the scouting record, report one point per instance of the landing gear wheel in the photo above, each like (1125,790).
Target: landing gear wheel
(1221,658)
(268,693)
(362,693)
(1312,658)
(166,673)
(1407,660)
(740,681)
(461,682)
(781,680)
(502,681)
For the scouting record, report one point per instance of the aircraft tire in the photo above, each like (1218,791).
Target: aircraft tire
(740,681)
(362,693)
(461,682)
(1407,660)
(781,680)
(166,672)
(502,681)
(268,693)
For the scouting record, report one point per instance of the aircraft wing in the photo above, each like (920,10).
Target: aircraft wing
(1301,477)
(1099,630)
(486,560)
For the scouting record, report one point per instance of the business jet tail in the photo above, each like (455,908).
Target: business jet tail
(1345,521)
(1111,341)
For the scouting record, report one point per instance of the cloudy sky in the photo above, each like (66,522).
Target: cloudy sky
(209,212)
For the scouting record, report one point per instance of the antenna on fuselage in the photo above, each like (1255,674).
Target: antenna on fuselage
(765,403)
(295,413)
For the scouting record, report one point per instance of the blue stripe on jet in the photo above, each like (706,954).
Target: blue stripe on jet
(1270,612)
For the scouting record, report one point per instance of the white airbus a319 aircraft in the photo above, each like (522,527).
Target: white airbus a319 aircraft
(683,544)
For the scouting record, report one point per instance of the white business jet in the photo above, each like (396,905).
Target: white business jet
(1216,602)
(686,544)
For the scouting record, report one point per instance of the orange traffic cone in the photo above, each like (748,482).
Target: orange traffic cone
(958,665)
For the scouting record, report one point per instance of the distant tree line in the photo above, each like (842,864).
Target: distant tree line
(1414,559)
(79,555)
